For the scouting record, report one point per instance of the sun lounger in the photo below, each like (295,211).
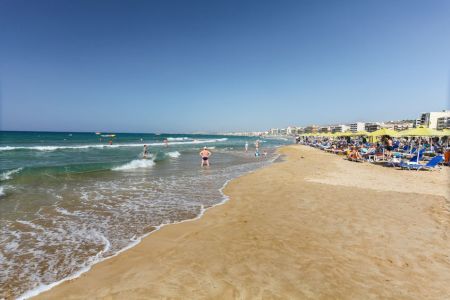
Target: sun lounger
(429,166)
(355,159)
(396,162)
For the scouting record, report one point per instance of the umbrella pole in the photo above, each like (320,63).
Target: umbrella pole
(418,150)
(410,146)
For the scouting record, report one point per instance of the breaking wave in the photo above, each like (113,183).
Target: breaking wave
(173,139)
(174,154)
(102,146)
(8,174)
(135,164)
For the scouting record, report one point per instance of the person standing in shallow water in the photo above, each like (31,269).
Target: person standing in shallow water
(205,154)
(145,152)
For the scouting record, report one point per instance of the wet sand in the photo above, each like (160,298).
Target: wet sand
(317,227)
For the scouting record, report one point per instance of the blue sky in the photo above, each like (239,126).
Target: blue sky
(183,66)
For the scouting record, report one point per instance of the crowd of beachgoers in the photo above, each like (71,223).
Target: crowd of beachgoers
(395,150)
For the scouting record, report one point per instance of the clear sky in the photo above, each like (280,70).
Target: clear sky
(183,66)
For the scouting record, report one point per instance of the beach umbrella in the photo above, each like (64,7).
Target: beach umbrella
(420,131)
(360,133)
(325,134)
(384,131)
(344,133)
(445,132)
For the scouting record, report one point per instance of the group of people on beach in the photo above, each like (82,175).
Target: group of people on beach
(388,149)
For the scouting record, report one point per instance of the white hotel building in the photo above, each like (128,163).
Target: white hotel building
(430,119)
(358,126)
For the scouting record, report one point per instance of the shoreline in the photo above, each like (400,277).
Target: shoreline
(164,239)
(47,287)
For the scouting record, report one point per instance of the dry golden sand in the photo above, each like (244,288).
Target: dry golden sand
(317,227)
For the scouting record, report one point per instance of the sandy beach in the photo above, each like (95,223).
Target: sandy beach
(313,226)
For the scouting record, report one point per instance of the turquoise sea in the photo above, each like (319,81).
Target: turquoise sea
(69,200)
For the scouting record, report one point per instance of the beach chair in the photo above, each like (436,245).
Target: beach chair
(376,157)
(350,158)
(396,161)
(404,149)
(429,166)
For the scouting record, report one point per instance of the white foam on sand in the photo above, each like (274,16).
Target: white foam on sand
(135,164)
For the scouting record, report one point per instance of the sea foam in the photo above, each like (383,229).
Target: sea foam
(174,154)
(8,174)
(173,139)
(103,146)
(135,164)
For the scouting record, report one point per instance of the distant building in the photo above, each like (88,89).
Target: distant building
(417,122)
(311,129)
(398,125)
(290,129)
(340,128)
(371,127)
(430,119)
(358,126)
(443,123)
(324,129)
(293,130)
(274,131)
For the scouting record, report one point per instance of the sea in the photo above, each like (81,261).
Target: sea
(71,199)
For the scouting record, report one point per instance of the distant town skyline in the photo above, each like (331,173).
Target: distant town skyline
(221,66)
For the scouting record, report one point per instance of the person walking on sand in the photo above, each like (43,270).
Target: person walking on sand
(246,146)
(205,154)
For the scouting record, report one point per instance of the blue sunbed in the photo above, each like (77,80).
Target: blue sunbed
(430,165)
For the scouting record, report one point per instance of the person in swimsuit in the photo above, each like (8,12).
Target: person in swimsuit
(145,153)
(205,154)
(389,147)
